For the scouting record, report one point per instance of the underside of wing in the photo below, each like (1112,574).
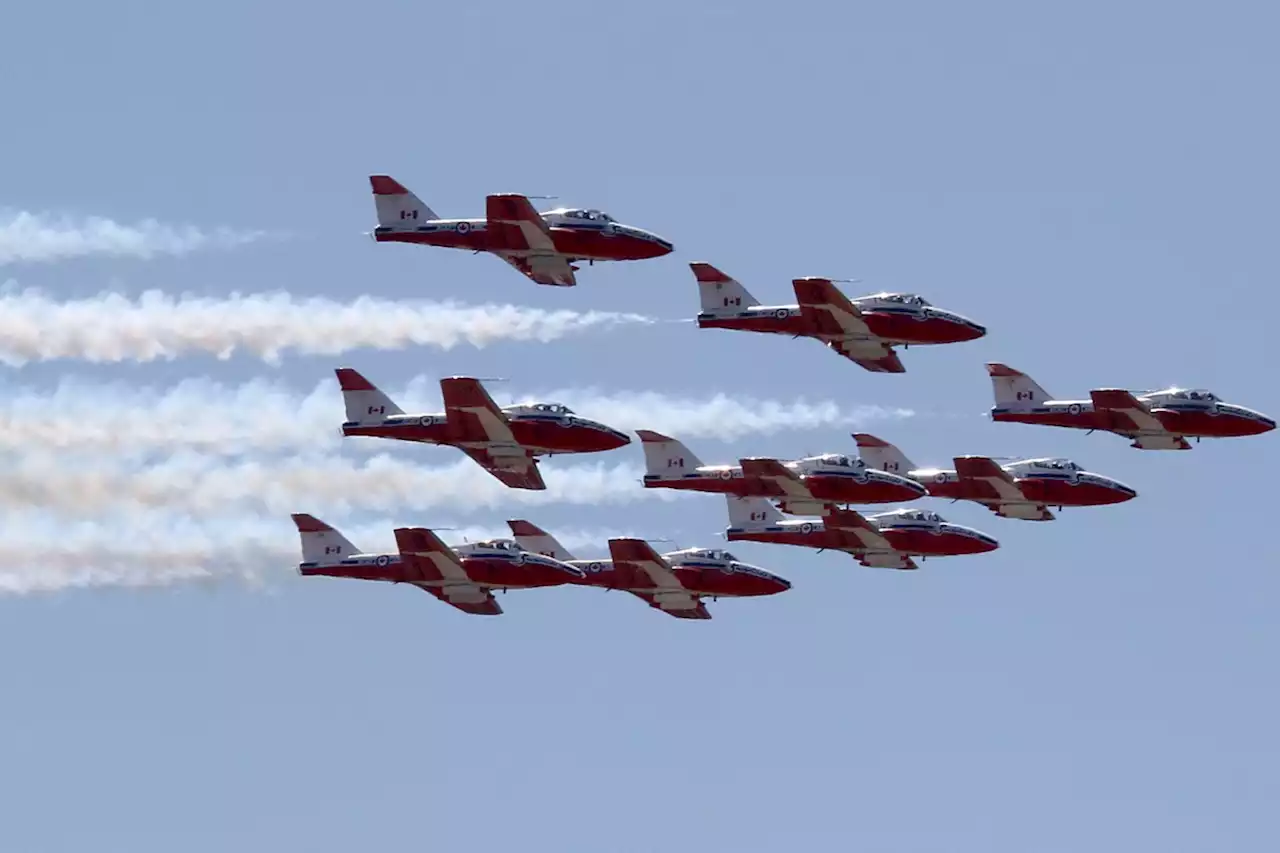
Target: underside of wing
(468,598)
(1167,441)
(875,356)
(677,604)
(551,269)
(887,560)
(517,469)
(1022,511)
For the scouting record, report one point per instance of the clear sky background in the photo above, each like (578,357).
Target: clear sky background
(1095,182)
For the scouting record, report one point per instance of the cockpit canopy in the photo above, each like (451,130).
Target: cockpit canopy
(836,460)
(499,545)
(1056,464)
(548,408)
(712,554)
(1199,395)
(919,515)
(591,215)
(903,298)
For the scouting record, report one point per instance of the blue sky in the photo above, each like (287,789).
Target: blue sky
(1094,183)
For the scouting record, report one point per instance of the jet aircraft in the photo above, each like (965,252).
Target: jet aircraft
(885,540)
(1154,420)
(505,441)
(1023,489)
(802,486)
(541,245)
(863,330)
(464,577)
(675,582)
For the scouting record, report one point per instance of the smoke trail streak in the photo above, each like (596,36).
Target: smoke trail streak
(262,416)
(38,238)
(43,554)
(111,328)
(87,485)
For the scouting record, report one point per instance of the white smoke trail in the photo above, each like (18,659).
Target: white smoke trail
(43,554)
(202,485)
(261,416)
(112,328)
(35,238)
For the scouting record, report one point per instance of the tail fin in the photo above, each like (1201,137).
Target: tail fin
(751,512)
(396,205)
(364,402)
(1015,389)
(720,294)
(533,538)
(664,455)
(320,541)
(882,455)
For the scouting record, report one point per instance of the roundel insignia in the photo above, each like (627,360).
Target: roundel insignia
(807,527)
(940,477)
(382,560)
(464,227)
(1074,408)
(726,474)
(595,567)
(427,420)
(782,313)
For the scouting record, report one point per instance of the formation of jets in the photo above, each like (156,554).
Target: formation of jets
(804,502)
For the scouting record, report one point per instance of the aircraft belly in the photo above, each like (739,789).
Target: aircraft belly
(596,245)
(766,324)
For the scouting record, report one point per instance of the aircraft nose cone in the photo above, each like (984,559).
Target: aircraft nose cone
(902,488)
(1267,424)
(1127,493)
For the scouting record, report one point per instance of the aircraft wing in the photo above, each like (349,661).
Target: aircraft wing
(886,560)
(513,470)
(983,470)
(773,471)
(553,270)
(526,240)
(658,602)
(852,524)
(1126,413)
(875,356)
(668,593)
(476,420)
(441,573)
(829,310)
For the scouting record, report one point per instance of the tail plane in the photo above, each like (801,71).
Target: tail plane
(320,541)
(364,402)
(533,538)
(752,512)
(397,207)
(882,455)
(664,455)
(720,293)
(1015,389)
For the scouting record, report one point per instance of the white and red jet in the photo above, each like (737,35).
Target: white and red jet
(675,582)
(863,330)
(464,577)
(1155,420)
(542,245)
(1023,489)
(886,540)
(802,486)
(505,441)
